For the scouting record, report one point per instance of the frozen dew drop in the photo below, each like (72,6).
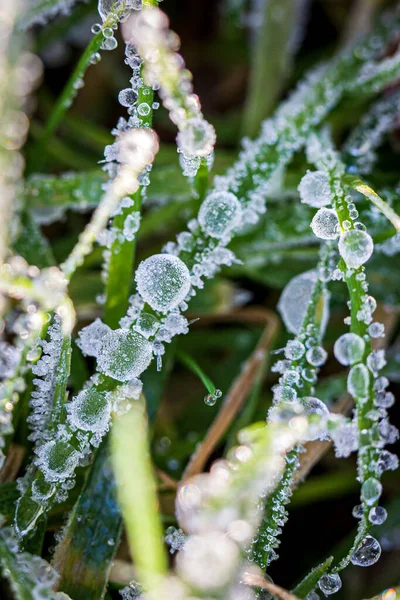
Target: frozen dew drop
(330,584)
(314,189)
(376,330)
(367,553)
(377,515)
(371,491)
(349,349)
(163,281)
(358,381)
(316,356)
(295,300)
(219,214)
(143,109)
(355,247)
(57,460)
(105,7)
(294,350)
(358,511)
(325,224)
(127,97)
(90,411)
(314,406)
(147,324)
(197,138)
(96,58)
(124,354)
(109,43)
(210,399)
(91,337)
(387,462)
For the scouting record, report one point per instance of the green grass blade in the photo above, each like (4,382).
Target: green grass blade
(310,581)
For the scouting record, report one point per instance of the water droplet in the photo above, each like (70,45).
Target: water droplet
(124,354)
(217,393)
(325,224)
(316,356)
(210,400)
(96,57)
(377,515)
(143,109)
(90,411)
(376,330)
(57,460)
(355,247)
(358,511)
(127,97)
(367,553)
(330,583)
(358,381)
(295,300)
(96,28)
(371,490)
(349,349)
(314,189)
(163,281)
(219,214)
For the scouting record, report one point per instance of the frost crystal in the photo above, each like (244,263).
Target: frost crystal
(315,190)
(325,224)
(163,281)
(124,354)
(91,337)
(349,349)
(219,214)
(345,439)
(196,138)
(355,247)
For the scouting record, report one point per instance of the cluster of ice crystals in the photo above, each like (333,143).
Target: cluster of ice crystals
(91,337)
(345,439)
(219,214)
(163,281)
(325,224)
(133,591)
(355,247)
(175,539)
(131,226)
(314,189)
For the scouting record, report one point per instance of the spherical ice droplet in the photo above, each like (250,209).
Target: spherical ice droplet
(325,224)
(219,214)
(358,381)
(367,553)
(371,490)
(377,515)
(294,350)
(349,349)
(295,300)
(316,356)
(90,411)
(57,460)
(127,97)
(330,584)
(197,138)
(314,189)
(355,247)
(124,354)
(163,281)
(210,400)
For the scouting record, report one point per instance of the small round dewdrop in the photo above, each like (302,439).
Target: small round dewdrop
(314,189)
(358,381)
(330,584)
(325,224)
(163,281)
(219,214)
(367,553)
(197,138)
(371,491)
(295,300)
(355,247)
(57,460)
(124,354)
(90,411)
(349,349)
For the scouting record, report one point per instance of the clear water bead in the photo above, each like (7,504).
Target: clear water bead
(367,553)
(371,491)
(197,138)
(349,349)
(325,224)
(90,411)
(355,247)
(219,214)
(330,584)
(314,189)
(124,354)
(57,460)
(358,381)
(105,7)
(127,97)
(163,281)
(210,400)
(295,300)
(316,356)
(377,515)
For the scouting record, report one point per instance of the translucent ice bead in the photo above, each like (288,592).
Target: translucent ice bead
(295,300)
(371,491)
(127,97)
(316,356)
(358,381)
(105,6)
(314,189)
(367,553)
(124,354)
(294,350)
(57,460)
(377,515)
(197,138)
(325,224)
(330,584)
(163,281)
(219,214)
(90,411)
(349,349)
(314,406)
(355,247)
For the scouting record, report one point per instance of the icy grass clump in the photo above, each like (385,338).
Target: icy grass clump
(163,281)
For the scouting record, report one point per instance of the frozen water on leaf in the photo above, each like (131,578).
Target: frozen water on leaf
(124,354)
(90,411)
(376,330)
(197,138)
(330,584)
(147,324)
(349,349)
(387,462)
(123,395)
(295,300)
(376,361)
(91,337)
(127,97)
(57,460)
(325,224)
(358,381)
(371,490)
(163,281)
(345,439)
(131,226)
(294,350)
(355,247)
(316,356)
(219,214)
(314,189)
(367,553)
